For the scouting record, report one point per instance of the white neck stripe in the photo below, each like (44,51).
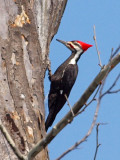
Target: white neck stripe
(75,58)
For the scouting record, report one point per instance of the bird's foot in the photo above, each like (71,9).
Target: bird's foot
(49,69)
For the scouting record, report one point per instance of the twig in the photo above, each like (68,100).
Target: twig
(98,52)
(93,99)
(116,51)
(116,91)
(69,105)
(111,87)
(111,55)
(97,144)
(11,142)
(86,136)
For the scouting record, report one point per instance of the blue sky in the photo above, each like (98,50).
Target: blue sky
(77,24)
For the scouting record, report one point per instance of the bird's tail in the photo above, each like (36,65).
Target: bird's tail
(49,120)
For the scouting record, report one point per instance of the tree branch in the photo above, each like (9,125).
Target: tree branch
(97,144)
(78,105)
(98,52)
(86,136)
(11,142)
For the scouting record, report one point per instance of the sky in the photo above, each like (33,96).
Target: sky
(77,24)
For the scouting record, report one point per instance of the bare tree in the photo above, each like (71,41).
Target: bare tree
(26,30)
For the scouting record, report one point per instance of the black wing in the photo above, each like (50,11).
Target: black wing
(69,78)
(61,84)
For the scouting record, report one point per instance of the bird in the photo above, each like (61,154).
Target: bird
(63,79)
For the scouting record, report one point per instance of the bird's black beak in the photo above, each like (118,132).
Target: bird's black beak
(63,42)
(67,44)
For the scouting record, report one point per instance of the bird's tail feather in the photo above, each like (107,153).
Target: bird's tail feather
(49,121)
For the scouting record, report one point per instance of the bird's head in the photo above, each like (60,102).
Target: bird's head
(76,46)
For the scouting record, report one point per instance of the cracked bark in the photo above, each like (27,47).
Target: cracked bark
(26,30)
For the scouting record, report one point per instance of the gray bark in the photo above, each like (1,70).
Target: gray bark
(26,30)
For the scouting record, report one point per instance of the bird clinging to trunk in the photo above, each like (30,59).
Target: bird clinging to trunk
(63,79)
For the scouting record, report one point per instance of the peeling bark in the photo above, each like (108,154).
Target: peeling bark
(26,30)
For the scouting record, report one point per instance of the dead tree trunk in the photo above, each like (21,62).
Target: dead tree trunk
(26,30)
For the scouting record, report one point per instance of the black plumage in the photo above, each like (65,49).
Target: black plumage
(62,82)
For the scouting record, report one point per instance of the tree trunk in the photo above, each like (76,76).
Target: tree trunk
(26,30)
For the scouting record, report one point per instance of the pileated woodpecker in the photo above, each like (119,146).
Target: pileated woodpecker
(63,79)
